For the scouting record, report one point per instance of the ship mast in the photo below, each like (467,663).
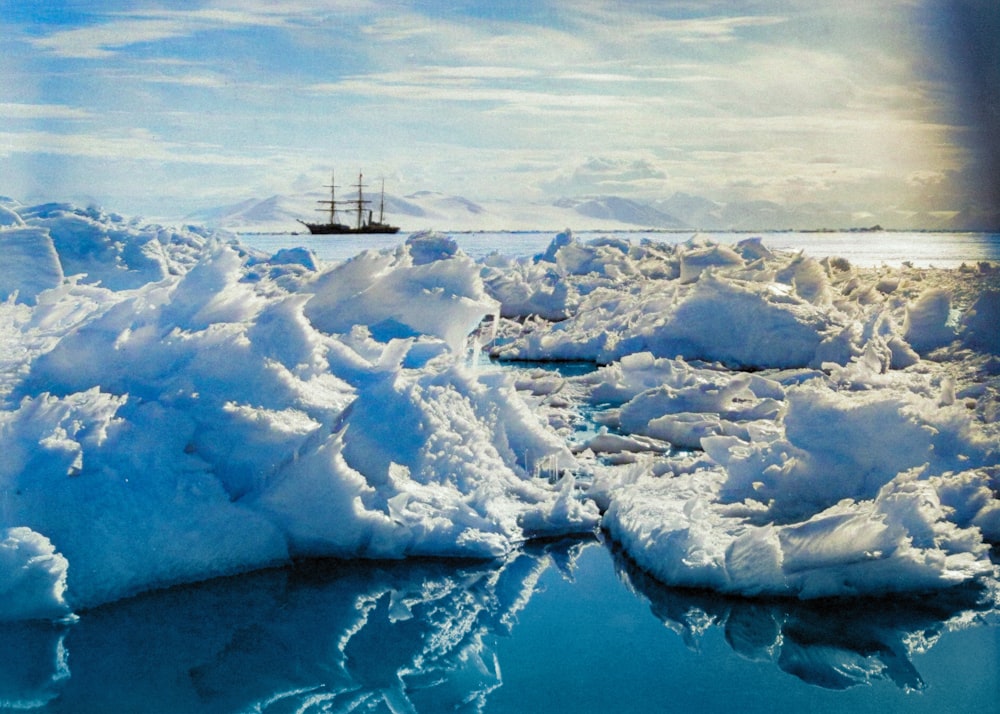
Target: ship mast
(332,201)
(361,200)
(381,207)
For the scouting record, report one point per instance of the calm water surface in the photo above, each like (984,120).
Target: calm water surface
(942,250)
(560,627)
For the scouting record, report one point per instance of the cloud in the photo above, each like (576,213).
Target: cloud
(708,29)
(423,88)
(42,111)
(103,40)
(132,145)
(604,175)
(693,95)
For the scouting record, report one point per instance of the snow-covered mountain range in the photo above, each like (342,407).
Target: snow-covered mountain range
(432,210)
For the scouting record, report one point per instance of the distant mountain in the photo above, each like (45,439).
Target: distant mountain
(447,204)
(693,211)
(438,211)
(274,213)
(622,210)
(432,210)
(977,220)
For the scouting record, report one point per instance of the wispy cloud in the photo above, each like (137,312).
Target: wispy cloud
(696,95)
(708,29)
(134,145)
(112,32)
(102,41)
(42,111)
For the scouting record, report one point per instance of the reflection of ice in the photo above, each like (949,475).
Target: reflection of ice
(338,636)
(833,643)
(33,664)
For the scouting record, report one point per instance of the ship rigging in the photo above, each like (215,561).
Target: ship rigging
(363,216)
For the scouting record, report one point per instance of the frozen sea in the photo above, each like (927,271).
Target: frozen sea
(555,625)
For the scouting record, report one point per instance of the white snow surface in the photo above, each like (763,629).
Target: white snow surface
(186,409)
(174,406)
(773,424)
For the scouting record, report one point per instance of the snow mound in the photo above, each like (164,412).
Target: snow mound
(32,576)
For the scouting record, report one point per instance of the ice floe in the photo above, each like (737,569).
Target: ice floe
(832,430)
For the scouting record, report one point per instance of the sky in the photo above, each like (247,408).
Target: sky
(885,108)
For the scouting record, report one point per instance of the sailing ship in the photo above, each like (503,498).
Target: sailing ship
(364,220)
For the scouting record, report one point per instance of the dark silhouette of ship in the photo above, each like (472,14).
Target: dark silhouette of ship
(364,221)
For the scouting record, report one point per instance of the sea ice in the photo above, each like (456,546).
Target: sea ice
(223,414)
(837,463)
(174,406)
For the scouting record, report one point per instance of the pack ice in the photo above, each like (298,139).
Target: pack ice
(772,424)
(176,406)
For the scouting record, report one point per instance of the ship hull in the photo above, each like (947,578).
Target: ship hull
(341,229)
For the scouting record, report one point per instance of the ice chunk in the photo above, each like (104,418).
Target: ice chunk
(694,262)
(32,576)
(809,279)
(8,217)
(30,264)
(397,298)
(428,247)
(926,326)
(218,420)
(751,326)
(981,324)
(105,249)
(188,408)
(711,316)
(560,241)
(902,540)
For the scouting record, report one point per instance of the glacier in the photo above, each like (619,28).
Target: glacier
(176,406)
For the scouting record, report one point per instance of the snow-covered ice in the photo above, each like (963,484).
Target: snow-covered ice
(176,406)
(227,412)
(833,430)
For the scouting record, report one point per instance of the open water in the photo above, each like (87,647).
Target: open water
(565,626)
(941,250)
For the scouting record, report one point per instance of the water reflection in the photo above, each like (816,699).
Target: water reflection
(33,664)
(423,636)
(833,644)
(322,636)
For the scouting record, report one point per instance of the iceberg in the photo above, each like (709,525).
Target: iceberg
(175,406)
